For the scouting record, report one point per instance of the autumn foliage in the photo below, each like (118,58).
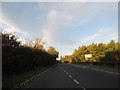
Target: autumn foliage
(108,54)
(17,58)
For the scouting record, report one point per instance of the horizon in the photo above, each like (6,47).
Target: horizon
(65,26)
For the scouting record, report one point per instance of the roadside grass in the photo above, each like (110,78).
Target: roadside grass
(14,81)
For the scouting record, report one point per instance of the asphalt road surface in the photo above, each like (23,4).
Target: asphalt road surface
(76,76)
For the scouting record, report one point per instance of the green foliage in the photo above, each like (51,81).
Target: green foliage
(8,39)
(111,58)
(18,59)
(101,54)
(52,51)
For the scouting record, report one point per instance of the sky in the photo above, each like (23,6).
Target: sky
(64,25)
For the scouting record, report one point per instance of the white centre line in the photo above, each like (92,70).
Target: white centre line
(66,73)
(76,81)
(84,88)
(70,76)
(64,70)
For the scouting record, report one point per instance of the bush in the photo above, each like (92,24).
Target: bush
(18,59)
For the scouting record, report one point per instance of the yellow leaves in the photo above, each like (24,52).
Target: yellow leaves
(52,51)
(68,58)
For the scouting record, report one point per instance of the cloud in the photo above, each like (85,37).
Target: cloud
(51,19)
(64,14)
(81,12)
(61,1)
(113,36)
(55,19)
(65,50)
(100,33)
(6,25)
(104,35)
(76,10)
(71,14)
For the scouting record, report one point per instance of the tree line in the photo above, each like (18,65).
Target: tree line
(18,58)
(108,54)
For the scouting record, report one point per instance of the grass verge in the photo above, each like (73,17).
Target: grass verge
(13,81)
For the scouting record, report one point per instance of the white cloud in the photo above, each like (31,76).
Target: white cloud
(65,14)
(61,14)
(71,14)
(81,12)
(104,35)
(60,0)
(113,36)
(66,50)
(6,25)
(55,19)
(100,33)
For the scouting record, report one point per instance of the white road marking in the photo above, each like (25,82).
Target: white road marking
(76,81)
(80,66)
(26,81)
(84,88)
(66,73)
(70,76)
(103,71)
(84,67)
(63,70)
(96,69)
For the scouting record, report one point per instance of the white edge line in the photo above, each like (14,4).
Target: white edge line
(80,66)
(23,83)
(103,71)
(96,69)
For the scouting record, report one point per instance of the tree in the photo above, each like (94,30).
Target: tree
(38,44)
(18,59)
(111,46)
(52,51)
(29,43)
(100,53)
(8,39)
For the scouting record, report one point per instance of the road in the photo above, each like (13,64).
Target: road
(76,76)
